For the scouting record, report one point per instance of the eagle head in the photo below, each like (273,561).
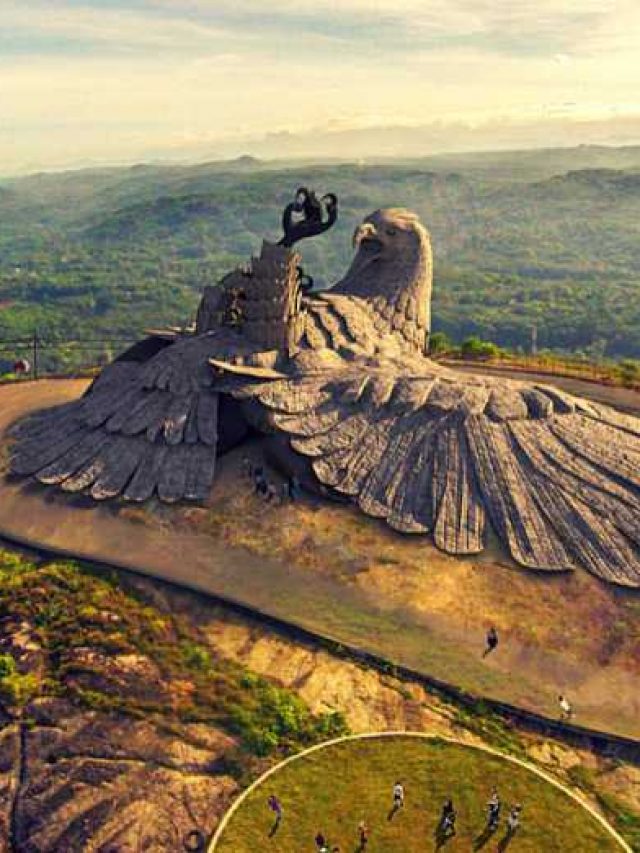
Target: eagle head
(392,269)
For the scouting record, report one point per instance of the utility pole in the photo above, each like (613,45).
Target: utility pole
(534,340)
(35,353)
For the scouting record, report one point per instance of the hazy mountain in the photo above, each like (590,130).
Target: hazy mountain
(545,238)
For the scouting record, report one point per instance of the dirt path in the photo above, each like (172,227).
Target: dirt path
(329,569)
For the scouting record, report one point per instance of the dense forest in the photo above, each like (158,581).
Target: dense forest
(519,240)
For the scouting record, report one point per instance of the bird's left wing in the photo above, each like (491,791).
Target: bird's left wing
(145,427)
(434,451)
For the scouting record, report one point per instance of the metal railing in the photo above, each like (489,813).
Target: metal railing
(38,355)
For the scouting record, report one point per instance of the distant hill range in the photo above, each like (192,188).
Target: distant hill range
(545,239)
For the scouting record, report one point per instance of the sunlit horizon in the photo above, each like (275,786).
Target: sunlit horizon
(89,83)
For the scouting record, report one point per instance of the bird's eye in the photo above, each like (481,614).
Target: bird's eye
(391,232)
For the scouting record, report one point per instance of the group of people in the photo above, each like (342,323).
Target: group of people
(322,845)
(566,708)
(494,809)
(447,824)
(445,829)
(289,491)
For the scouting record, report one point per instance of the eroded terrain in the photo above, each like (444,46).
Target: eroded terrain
(123,737)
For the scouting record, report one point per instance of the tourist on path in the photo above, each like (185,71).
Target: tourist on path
(566,709)
(492,641)
(247,467)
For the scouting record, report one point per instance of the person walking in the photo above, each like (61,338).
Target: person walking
(447,826)
(493,811)
(566,709)
(398,799)
(513,819)
(247,467)
(276,807)
(492,641)
(363,836)
(321,843)
(259,481)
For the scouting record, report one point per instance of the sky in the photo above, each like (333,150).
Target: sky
(87,82)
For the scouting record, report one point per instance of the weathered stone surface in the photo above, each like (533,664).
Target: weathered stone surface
(344,375)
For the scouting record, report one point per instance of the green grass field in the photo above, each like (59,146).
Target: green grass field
(332,789)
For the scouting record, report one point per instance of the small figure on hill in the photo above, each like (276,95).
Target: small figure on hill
(398,799)
(259,480)
(321,843)
(276,807)
(513,824)
(291,489)
(271,493)
(247,468)
(492,641)
(193,842)
(566,708)
(363,836)
(493,811)
(513,819)
(447,825)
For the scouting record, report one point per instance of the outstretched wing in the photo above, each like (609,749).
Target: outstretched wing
(557,477)
(143,428)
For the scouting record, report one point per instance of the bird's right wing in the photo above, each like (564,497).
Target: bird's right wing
(441,452)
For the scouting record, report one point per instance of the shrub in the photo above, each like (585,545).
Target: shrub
(439,342)
(629,372)
(195,656)
(17,689)
(475,348)
(7,665)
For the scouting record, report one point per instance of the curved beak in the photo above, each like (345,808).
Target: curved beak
(366,231)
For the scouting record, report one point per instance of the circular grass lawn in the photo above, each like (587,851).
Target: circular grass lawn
(332,789)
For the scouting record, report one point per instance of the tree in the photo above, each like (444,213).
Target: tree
(439,342)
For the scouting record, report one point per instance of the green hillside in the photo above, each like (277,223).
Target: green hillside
(336,788)
(108,252)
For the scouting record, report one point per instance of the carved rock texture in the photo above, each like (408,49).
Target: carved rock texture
(343,374)
(558,478)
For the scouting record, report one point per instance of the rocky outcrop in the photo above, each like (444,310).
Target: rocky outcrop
(77,781)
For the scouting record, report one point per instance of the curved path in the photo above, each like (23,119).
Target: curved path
(218,836)
(266,589)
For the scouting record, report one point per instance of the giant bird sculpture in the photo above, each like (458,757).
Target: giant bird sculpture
(341,381)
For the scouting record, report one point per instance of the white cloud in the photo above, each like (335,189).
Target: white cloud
(154,77)
(193,24)
(110,27)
